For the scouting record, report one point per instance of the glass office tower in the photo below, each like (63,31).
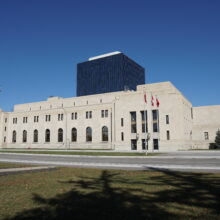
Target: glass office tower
(108,73)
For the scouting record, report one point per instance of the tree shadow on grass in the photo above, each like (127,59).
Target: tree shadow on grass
(108,197)
(197,190)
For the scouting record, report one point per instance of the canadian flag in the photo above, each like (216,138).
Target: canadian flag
(145,97)
(157,102)
(152,100)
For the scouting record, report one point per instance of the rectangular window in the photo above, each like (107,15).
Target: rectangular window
(167,119)
(155,127)
(14,120)
(5,120)
(206,134)
(25,119)
(60,117)
(47,118)
(89,114)
(133,122)
(144,121)
(122,122)
(155,144)
(74,116)
(122,136)
(144,144)
(106,113)
(4,139)
(5,128)
(36,118)
(102,113)
(168,135)
(133,144)
(155,116)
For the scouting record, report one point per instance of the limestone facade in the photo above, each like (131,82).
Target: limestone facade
(116,121)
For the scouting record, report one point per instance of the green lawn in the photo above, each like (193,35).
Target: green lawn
(79,153)
(13,165)
(75,193)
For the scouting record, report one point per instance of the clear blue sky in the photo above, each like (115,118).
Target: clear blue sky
(41,41)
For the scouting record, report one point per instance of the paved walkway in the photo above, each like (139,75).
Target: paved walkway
(8,171)
(189,161)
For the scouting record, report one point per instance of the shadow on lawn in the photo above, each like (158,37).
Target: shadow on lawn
(100,198)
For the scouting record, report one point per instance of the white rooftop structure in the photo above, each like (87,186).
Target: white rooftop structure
(104,55)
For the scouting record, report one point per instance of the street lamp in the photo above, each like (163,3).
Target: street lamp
(146,141)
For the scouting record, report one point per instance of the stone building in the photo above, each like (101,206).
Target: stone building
(155,117)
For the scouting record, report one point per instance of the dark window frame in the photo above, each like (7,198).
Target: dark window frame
(105,134)
(74,135)
(60,135)
(88,134)
(47,135)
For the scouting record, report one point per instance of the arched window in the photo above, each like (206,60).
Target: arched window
(60,135)
(35,136)
(88,134)
(74,135)
(104,133)
(47,135)
(14,136)
(24,136)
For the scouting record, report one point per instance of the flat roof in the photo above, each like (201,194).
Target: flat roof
(104,55)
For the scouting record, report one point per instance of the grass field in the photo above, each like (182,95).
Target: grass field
(13,165)
(75,193)
(79,153)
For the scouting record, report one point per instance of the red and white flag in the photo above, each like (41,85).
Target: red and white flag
(157,102)
(152,100)
(145,97)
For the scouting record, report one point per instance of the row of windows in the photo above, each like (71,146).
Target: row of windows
(104,114)
(60,135)
(144,119)
(144,144)
(155,116)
